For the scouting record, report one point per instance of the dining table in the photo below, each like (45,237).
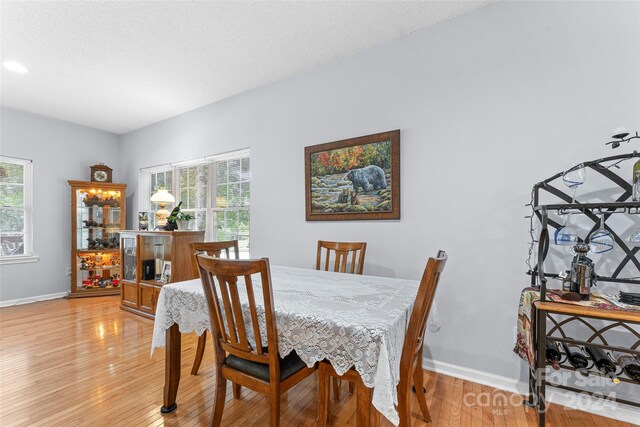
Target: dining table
(352,321)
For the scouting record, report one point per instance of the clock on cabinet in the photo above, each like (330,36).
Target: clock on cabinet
(101,173)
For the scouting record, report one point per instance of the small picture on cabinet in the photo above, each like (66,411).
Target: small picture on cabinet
(166,271)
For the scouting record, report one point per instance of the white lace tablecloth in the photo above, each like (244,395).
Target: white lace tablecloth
(348,319)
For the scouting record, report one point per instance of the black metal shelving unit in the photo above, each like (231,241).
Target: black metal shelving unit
(551,322)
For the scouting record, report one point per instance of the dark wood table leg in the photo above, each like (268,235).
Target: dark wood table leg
(171,368)
(363,399)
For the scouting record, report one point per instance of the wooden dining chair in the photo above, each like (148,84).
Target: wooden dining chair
(340,252)
(213,249)
(411,372)
(239,356)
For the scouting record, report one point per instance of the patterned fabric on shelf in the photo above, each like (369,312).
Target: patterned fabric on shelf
(350,320)
(526,314)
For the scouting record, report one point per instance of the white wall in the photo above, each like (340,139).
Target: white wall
(60,152)
(488,104)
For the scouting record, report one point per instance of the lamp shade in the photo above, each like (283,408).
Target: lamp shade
(162,197)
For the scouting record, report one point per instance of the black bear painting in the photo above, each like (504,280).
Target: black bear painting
(369,176)
(351,178)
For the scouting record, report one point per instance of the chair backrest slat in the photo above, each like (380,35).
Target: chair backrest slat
(341,252)
(237,314)
(214,249)
(254,315)
(220,283)
(228,310)
(327,261)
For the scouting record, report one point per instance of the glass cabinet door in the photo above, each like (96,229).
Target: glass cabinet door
(155,252)
(130,260)
(97,219)
(98,270)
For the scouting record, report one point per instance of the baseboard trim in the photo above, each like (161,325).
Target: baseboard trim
(30,300)
(620,412)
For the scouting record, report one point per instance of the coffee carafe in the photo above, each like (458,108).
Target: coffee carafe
(583,275)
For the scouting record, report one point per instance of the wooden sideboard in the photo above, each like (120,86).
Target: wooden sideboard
(143,253)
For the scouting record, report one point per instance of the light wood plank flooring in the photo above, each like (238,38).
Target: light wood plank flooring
(85,362)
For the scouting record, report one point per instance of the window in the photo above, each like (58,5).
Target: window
(215,190)
(161,179)
(193,192)
(15,208)
(231,201)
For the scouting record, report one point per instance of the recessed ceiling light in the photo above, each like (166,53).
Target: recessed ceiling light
(15,67)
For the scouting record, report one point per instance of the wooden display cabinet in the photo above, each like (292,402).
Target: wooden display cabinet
(97,214)
(145,255)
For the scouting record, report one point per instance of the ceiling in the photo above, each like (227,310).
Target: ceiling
(122,65)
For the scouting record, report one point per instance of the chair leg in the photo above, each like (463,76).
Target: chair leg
(219,396)
(202,343)
(323,395)
(404,402)
(337,383)
(352,387)
(275,406)
(418,382)
(236,390)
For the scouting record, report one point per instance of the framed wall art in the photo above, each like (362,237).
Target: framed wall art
(354,179)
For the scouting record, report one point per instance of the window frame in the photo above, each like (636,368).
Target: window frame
(27,207)
(210,210)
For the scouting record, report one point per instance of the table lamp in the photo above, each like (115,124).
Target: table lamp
(162,198)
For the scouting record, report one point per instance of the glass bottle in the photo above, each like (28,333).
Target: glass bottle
(553,355)
(576,357)
(604,364)
(629,365)
(583,275)
(158,255)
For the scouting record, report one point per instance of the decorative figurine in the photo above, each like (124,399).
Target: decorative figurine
(92,243)
(143,221)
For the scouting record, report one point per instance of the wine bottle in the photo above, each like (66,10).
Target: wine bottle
(553,355)
(604,363)
(576,357)
(636,182)
(174,212)
(629,365)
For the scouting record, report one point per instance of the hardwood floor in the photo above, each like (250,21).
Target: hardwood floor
(85,362)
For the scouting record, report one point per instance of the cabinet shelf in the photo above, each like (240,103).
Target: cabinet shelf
(152,282)
(113,208)
(630,281)
(107,229)
(95,251)
(581,207)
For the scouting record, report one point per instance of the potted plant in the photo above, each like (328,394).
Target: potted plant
(181,219)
